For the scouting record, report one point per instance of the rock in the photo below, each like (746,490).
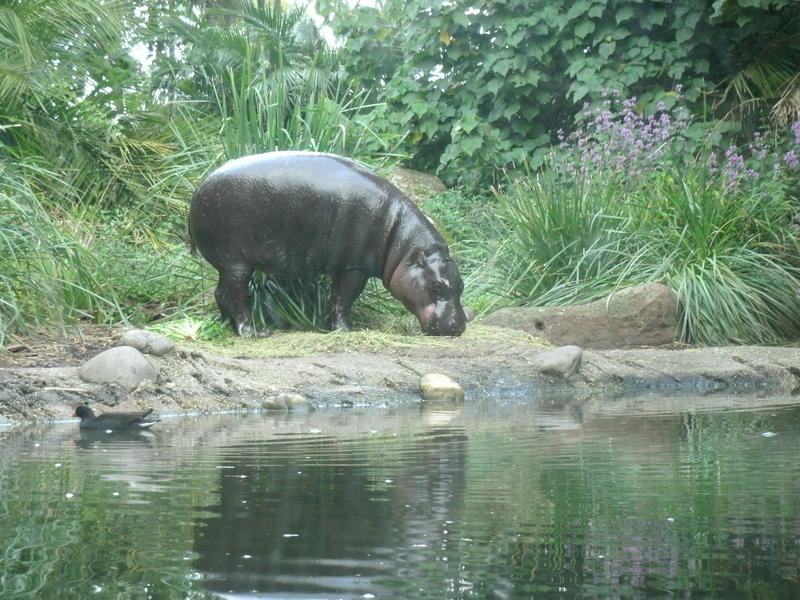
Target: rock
(124,366)
(287,401)
(435,386)
(644,315)
(416,185)
(561,362)
(147,342)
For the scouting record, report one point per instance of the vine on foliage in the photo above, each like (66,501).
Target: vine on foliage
(484,85)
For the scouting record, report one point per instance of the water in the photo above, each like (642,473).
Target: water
(646,498)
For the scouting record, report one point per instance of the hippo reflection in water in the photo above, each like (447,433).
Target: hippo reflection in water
(294,213)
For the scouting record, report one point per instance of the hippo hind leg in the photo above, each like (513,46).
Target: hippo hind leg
(345,288)
(233,299)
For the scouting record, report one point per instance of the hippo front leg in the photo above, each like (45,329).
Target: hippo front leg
(345,288)
(233,298)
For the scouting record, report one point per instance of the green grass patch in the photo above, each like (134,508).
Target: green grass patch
(203,335)
(731,254)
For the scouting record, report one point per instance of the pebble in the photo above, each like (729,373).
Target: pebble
(147,342)
(563,361)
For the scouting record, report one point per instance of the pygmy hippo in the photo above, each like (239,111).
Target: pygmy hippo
(293,213)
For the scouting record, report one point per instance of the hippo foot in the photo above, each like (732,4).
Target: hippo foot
(243,330)
(340,325)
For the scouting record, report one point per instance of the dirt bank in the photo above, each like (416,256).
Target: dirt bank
(39,379)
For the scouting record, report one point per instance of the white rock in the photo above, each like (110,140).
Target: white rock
(287,401)
(435,386)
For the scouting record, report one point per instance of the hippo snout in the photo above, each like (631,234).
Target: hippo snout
(443,318)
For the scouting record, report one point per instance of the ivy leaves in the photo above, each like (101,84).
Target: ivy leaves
(479,86)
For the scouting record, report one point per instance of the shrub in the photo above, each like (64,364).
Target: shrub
(632,198)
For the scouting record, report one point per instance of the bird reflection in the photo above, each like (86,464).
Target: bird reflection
(94,438)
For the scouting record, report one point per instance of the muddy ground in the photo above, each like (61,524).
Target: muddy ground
(39,375)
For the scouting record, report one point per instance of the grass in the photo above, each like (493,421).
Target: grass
(107,244)
(562,243)
(305,343)
(730,254)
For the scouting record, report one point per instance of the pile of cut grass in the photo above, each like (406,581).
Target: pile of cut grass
(367,341)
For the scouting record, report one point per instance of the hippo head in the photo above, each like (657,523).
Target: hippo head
(430,286)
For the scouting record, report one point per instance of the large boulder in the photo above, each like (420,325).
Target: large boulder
(644,315)
(123,365)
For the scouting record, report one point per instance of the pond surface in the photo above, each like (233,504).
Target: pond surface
(648,498)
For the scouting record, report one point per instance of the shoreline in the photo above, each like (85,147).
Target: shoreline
(204,378)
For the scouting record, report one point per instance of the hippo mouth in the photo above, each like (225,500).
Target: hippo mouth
(442,319)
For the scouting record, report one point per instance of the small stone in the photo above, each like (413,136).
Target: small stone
(287,401)
(123,365)
(561,362)
(147,342)
(435,386)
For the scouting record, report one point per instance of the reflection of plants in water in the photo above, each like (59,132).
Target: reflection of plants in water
(61,537)
(637,515)
(647,506)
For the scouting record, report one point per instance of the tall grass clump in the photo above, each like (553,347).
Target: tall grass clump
(66,258)
(730,253)
(636,197)
(562,244)
(46,275)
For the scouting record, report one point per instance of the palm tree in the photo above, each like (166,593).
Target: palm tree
(197,50)
(71,97)
(767,47)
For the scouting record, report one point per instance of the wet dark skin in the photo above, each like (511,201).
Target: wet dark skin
(294,213)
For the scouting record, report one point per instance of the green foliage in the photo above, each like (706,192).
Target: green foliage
(480,87)
(197,53)
(194,329)
(730,253)
(104,156)
(71,97)
(563,243)
(46,274)
(61,266)
(265,115)
(766,34)
(299,302)
(100,155)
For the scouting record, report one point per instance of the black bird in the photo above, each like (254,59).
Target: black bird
(114,421)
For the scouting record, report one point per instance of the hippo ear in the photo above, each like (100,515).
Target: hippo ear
(420,259)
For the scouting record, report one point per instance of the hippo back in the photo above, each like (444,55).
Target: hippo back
(297,212)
